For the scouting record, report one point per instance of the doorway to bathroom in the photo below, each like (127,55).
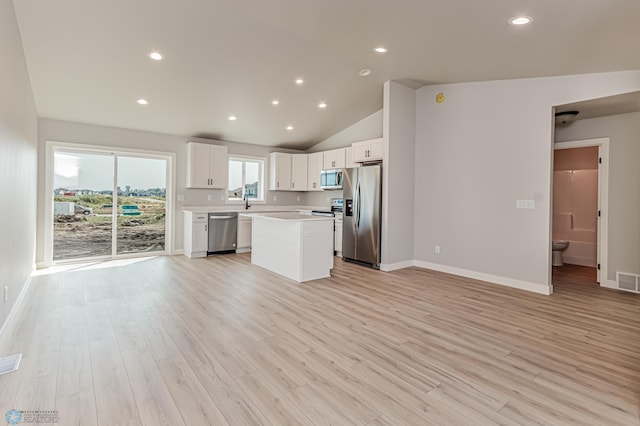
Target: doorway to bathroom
(579,215)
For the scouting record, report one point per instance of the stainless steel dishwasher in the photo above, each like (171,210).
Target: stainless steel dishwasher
(223,233)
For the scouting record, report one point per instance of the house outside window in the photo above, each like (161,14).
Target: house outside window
(246,179)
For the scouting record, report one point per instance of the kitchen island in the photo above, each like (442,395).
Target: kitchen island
(297,246)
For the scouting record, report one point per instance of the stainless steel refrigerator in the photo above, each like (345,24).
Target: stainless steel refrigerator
(362,192)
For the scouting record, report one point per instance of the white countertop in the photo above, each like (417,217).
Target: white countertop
(288,216)
(254,208)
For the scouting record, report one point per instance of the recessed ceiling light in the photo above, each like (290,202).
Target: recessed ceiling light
(155,56)
(289,127)
(299,81)
(520,20)
(142,101)
(380,49)
(233,118)
(365,72)
(275,102)
(322,105)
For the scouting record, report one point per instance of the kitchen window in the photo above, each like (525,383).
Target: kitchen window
(246,179)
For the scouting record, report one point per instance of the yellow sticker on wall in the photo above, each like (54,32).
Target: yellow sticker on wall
(440,98)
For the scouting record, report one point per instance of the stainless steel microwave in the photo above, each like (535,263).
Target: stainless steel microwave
(331,179)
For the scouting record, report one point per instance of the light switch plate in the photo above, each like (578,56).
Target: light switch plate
(525,204)
(180,197)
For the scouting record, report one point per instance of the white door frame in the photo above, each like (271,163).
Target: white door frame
(603,202)
(52,146)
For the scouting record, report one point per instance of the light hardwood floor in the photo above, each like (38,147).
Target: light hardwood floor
(176,341)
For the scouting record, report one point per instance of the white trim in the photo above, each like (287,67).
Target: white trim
(263,178)
(495,279)
(170,202)
(17,304)
(603,201)
(177,252)
(388,267)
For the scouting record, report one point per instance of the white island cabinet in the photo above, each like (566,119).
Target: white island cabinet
(297,246)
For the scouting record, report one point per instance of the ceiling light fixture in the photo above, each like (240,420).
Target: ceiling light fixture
(322,105)
(232,118)
(289,127)
(299,81)
(365,72)
(142,101)
(566,117)
(520,20)
(156,56)
(380,49)
(275,102)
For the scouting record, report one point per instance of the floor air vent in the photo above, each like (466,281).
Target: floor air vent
(9,364)
(628,282)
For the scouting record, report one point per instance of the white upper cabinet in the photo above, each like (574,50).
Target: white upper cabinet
(349,163)
(334,159)
(207,166)
(314,167)
(366,151)
(279,171)
(299,169)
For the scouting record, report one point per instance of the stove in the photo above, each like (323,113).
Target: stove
(336,209)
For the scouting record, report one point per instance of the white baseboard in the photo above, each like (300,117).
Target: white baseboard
(243,250)
(16,306)
(580,260)
(495,279)
(177,252)
(42,265)
(388,267)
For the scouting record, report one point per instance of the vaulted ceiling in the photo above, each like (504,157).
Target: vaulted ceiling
(88,60)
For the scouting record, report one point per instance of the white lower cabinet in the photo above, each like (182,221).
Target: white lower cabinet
(337,238)
(244,234)
(196,234)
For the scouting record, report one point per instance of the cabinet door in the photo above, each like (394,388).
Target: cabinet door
(200,237)
(340,158)
(349,163)
(329,159)
(219,166)
(198,161)
(314,167)
(337,239)
(280,171)
(359,151)
(375,150)
(244,233)
(299,172)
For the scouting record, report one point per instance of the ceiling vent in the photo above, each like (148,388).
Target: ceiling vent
(566,117)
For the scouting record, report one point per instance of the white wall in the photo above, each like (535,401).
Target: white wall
(398,174)
(18,163)
(369,127)
(69,132)
(488,145)
(623,131)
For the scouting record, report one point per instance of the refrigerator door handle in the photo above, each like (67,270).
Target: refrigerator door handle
(359,200)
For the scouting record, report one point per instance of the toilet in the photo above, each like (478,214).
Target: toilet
(557,247)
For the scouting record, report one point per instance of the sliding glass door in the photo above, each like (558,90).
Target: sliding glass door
(107,204)
(141,194)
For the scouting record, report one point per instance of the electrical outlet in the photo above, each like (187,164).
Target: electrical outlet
(180,197)
(436,249)
(210,197)
(275,198)
(6,293)
(298,198)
